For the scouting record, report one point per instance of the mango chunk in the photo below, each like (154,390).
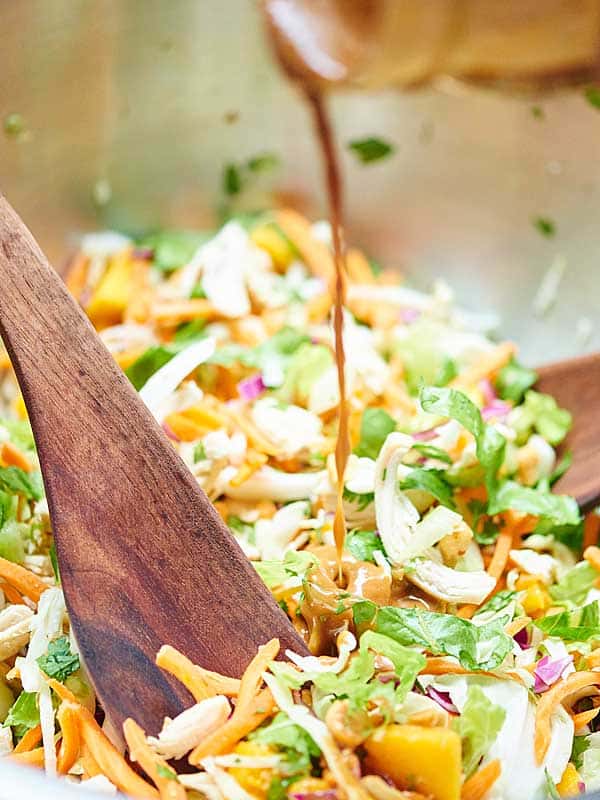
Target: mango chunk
(570,782)
(426,760)
(113,293)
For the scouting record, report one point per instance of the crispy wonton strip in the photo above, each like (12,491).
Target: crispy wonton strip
(173,312)
(486,367)
(90,768)
(174,662)
(479,784)
(33,758)
(71,741)
(255,437)
(22,579)
(13,457)
(236,727)
(149,761)
(548,702)
(517,625)
(11,594)
(31,739)
(105,754)
(581,720)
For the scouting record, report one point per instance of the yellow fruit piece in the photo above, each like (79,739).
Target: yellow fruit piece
(19,406)
(205,417)
(536,600)
(426,760)
(254,781)
(112,294)
(268,237)
(569,783)
(184,428)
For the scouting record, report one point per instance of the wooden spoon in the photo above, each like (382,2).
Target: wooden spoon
(575,384)
(145,559)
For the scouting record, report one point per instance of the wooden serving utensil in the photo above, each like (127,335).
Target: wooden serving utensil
(575,384)
(145,559)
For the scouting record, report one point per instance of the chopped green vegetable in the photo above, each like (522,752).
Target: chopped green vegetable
(432,481)
(298,747)
(375,426)
(592,95)
(499,601)
(165,772)
(541,413)
(361,500)
(560,469)
(304,369)
(559,509)
(580,745)
(575,626)
(263,162)
(362,544)
(14,124)
(370,149)
(429,451)
(490,445)
(481,647)
(11,541)
(545,226)
(173,248)
(574,584)
(59,662)
(144,367)
(23,715)
(513,381)
(478,726)
(295,564)
(232,180)
(199,452)
(14,479)
(538,112)
(54,562)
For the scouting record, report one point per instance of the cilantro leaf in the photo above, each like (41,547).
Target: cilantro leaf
(23,714)
(580,745)
(362,544)
(232,180)
(592,95)
(59,662)
(432,481)
(14,479)
(375,426)
(478,726)
(172,249)
(292,740)
(481,647)
(361,500)
(513,381)
(263,162)
(545,226)
(370,149)
(490,445)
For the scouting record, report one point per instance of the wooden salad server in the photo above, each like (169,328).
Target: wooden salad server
(145,559)
(575,385)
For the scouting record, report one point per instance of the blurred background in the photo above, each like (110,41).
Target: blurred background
(127,113)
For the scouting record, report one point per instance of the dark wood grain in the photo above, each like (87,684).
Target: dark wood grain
(145,560)
(575,383)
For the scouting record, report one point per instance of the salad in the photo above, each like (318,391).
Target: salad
(456,637)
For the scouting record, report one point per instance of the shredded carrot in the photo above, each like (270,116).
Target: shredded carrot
(591,530)
(110,762)
(90,768)
(548,702)
(13,457)
(584,717)
(592,556)
(174,662)
(258,440)
(487,366)
(11,594)
(22,579)
(70,742)
(436,665)
(316,254)
(32,758)
(252,464)
(149,761)
(183,428)
(236,727)
(205,417)
(479,784)
(496,567)
(31,739)
(4,360)
(252,678)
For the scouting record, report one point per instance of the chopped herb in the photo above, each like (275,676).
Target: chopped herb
(580,745)
(545,226)
(429,451)
(499,601)
(560,469)
(375,426)
(54,562)
(560,509)
(147,364)
(362,544)
(59,662)
(375,266)
(551,790)
(513,381)
(538,112)
(592,95)
(14,125)
(580,625)
(263,162)
(173,249)
(14,479)
(370,149)
(488,533)
(199,452)
(232,180)
(165,772)
(361,500)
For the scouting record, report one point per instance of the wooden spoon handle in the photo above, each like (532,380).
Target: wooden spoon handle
(145,559)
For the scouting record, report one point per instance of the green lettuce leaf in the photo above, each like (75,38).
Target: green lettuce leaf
(499,601)
(173,249)
(541,413)
(144,367)
(407,662)
(375,426)
(559,509)
(574,584)
(423,356)
(23,714)
(20,433)
(513,381)
(305,367)
(295,564)
(292,740)
(490,445)
(14,479)
(574,626)
(432,481)
(12,545)
(481,647)
(478,726)
(430,451)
